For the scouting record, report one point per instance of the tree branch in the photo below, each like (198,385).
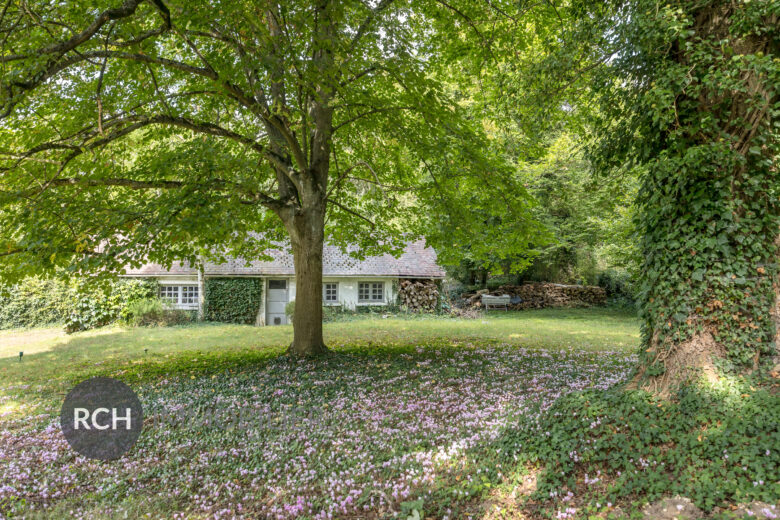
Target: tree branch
(12,252)
(468,21)
(145,58)
(357,76)
(55,67)
(255,197)
(125,10)
(352,212)
(368,113)
(384,4)
(139,122)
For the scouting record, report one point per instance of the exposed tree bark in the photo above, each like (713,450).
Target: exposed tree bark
(306,225)
(307,234)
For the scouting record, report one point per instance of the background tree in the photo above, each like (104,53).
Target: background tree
(589,214)
(165,130)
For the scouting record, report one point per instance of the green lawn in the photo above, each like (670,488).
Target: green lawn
(53,360)
(390,422)
(511,416)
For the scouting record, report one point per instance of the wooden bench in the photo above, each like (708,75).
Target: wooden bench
(488,300)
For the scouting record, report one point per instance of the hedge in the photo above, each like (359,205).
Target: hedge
(233,300)
(37,302)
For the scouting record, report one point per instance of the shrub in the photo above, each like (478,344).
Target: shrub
(289,310)
(329,312)
(151,312)
(233,300)
(495,282)
(178,317)
(96,306)
(145,312)
(36,302)
(89,313)
(619,286)
(377,309)
(334,313)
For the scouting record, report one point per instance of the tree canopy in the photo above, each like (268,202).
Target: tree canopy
(159,129)
(164,130)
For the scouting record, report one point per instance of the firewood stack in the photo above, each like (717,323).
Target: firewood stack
(418,295)
(542,295)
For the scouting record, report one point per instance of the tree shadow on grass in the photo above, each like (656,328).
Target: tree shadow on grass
(135,356)
(399,424)
(606,453)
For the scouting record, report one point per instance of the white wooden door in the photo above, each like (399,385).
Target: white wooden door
(275,302)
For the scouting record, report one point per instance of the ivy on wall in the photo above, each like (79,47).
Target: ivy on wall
(233,300)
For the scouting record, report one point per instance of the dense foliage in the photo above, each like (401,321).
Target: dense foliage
(233,300)
(587,218)
(704,115)
(178,130)
(332,313)
(688,92)
(589,215)
(94,307)
(598,449)
(153,312)
(36,302)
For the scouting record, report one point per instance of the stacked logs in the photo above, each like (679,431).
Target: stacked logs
(418,295)
(542,295)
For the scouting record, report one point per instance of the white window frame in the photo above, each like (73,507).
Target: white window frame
(373,287)
(325,299)
(169,294)
(180,295)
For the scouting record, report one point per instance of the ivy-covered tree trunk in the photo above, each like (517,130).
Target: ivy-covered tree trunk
(776,315)
(709,202)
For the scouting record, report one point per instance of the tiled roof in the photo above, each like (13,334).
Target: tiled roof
(417,261)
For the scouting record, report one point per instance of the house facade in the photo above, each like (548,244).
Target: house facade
(346,281)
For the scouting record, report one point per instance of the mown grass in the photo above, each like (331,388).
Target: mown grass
(402,416)
(510,416)
(54,361)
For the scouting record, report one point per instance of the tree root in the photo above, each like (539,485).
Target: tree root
(683,363)
(307,351)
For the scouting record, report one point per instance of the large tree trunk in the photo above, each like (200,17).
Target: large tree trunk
(307,237)
(304,192)
(709,227)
